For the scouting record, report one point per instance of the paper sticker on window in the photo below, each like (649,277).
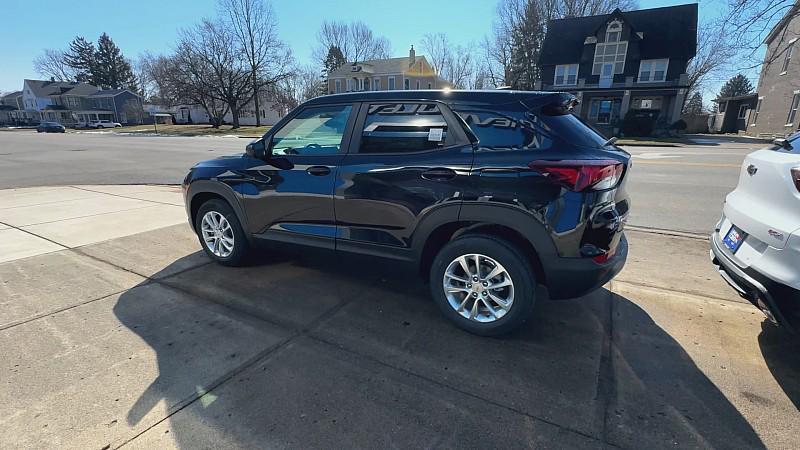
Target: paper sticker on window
(435,134)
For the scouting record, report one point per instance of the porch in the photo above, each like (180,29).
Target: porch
(647,111)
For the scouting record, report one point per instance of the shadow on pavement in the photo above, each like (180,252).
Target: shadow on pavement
(781,352)
(354,352)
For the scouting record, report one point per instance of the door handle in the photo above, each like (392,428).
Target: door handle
(318,170)
(439,174)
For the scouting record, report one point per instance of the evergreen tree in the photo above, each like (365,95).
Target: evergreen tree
(695,104)
(738,85)
(334,60)
(526,37)
(81,58)
(112,71)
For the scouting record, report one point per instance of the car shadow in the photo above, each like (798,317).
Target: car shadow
(649,392)
(781,351)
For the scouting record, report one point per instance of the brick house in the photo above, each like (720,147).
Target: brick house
(620,62)
(775,111)
(411,72)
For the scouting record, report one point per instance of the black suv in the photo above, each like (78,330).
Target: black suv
(488,193)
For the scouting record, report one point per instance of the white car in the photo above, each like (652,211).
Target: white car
(104,124)
(756,244)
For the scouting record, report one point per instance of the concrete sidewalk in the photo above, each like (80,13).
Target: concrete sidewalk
(140,341)
(35,221)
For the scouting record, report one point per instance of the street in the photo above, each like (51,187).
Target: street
(672,188)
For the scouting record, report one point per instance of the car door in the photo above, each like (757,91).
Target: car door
(406,160)
(290,195)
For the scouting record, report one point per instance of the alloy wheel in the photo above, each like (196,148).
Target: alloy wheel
(217,234)
(478,288)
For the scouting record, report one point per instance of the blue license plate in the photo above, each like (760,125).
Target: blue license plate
(733,240)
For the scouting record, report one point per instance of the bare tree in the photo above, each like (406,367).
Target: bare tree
(453,63)
(713,56)
(356,41)
(304,83)
(255,27)
(51,64)
(747,23)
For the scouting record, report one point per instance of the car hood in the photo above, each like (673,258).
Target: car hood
(227,162)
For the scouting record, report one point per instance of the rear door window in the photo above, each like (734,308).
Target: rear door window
(404,128)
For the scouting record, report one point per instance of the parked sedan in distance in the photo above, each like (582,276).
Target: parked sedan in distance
(104,124)
(50,127)
(756,244)
(486,194)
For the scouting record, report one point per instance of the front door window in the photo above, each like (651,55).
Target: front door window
(314,131)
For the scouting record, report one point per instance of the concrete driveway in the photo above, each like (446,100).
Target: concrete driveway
(137,340)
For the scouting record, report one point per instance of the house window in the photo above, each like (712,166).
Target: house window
(743,111)
(366,84)
(612,54)
(417,84)
(430,86)
(605,111)
(723,106)
(787,57)
(758,110)
(376,84)
(349,85)
(653,70)
(391,84)
(566,75)
(338,86)
(614,31)
(793,109)
(406,84)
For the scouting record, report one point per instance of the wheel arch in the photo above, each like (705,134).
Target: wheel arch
(514,226)
(202,191)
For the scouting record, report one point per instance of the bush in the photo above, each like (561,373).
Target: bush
(639,123)
(678,125)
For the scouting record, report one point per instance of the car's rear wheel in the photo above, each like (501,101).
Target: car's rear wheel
(221,233)
(483,284)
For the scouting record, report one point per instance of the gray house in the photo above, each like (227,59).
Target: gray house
(623,63)
(72,102)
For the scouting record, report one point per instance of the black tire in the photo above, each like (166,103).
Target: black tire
(241,246)
(515,263)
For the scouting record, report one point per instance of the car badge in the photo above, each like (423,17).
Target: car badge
(751,170)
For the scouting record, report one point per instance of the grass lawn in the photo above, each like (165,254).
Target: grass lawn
(195,130)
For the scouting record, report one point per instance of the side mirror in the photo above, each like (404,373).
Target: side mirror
(257,149)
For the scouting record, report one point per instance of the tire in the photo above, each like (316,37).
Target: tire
(497,254)
(238,255)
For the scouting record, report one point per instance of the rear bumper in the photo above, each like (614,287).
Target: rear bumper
(574,277)
(779,302)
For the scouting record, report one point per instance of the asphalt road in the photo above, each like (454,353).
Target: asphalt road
(672,188)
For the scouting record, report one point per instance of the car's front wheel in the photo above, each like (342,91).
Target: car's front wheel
(483,284)
(221,233)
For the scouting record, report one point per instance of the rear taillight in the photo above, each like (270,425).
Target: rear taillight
(581,175)
(796,177)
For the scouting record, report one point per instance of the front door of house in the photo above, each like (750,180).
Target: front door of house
(606,75)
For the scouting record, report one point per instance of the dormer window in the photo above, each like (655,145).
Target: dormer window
(566,75)
(614,31)
(609,56)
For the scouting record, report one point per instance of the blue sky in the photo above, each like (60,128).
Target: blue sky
(153,25)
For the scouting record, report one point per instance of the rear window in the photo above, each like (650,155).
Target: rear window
(573,130)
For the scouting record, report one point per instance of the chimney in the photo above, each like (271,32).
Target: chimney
(412,56)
